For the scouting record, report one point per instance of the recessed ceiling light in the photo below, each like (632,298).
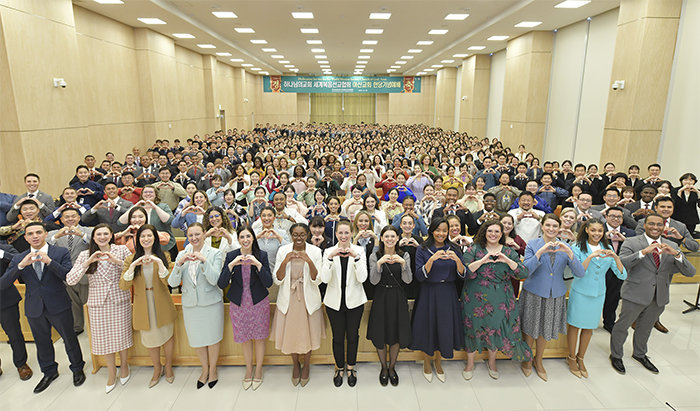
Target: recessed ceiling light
(429,69)
(420,73)
(264,73)
(406,57)
(150,20)
(283,61)
(390,70)
(206,46)
(294,70)
(438,31)
(269,50)
(414,51)
(256,69)
(183,35)
(369,42)
(437,66)
(456,16)
(302,15)
(400,62)
(322,62)
(109,1)
(395,67)
(314,42)
(309,31)
(236,60)
(277,56)
(258,41)
(528,24)
(224,54)
(447,61)
(460,55)
(364,57)
(374,31)
(497,38)
(320,56)
(424,43)
(318,50)
(366,50)
(247,65)
(289,65)
(325,66)
(379,16)
(225,14)
(244,30)
(476,48)
(572,4)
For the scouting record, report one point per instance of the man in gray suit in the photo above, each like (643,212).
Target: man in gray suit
(611,197)
(651,261)
(76,239)
(108,210)
(43,201)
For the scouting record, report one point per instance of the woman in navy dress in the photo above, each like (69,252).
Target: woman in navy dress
(437,318)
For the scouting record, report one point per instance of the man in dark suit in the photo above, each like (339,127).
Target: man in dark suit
(616,234)
(107,210)
(645,204)
(468,224)
(651,261)
(44,201)
(43,269)
(610,199)
(9,317)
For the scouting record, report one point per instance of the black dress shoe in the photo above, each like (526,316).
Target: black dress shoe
(608,328)
(384,377)
(352,377)
(393,377)
(617,364)
(338,378)
(44,383)
(78,378)
(647,364)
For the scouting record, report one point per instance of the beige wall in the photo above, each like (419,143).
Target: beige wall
(445,98)
(413,108)
(473,94)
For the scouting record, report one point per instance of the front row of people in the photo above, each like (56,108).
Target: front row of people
(489,317)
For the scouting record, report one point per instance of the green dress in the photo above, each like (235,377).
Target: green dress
(491,316)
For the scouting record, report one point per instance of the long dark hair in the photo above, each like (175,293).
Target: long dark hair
(255,248)
(480,237)
(430,241)
(156,250)
(380,250)
(582,236)
(134,209)
(94,247)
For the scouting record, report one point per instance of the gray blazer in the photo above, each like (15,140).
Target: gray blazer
(644,280)
(79,244)
(627,219)
(44,211)
(688,241)
(98,216)
(206,291)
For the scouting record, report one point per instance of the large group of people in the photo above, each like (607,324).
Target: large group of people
(487,242)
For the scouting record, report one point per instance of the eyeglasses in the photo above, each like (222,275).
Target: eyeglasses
(616,217)
(299,235)
(214,216)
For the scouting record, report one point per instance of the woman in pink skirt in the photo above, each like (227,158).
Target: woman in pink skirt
(248,271)
(108,306)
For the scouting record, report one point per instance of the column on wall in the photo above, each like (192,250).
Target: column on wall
(211,91)
(445,98)
(303,107)
(473,98)
(644,48)
(528,62)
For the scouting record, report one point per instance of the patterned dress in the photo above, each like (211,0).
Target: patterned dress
(250,321)
(491,317)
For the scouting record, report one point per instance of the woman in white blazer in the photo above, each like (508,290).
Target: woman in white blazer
(344,270)
(298,325)
(198,267)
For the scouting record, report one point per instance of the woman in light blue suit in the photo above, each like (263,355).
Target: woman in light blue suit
(542,299)
(587,293)
(198,268)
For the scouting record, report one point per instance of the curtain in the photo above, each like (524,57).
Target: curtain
(342,108)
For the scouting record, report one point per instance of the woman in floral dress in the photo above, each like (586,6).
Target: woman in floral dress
(491,317)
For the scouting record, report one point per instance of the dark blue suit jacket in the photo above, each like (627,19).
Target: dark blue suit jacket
(49,293)
(8,296)
(259,280)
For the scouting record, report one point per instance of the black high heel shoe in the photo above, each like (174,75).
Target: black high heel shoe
(384,377)
(393,377)
(352,377)
(338,377)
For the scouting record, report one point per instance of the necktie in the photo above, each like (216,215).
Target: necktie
(30,195)
(111,213)
(615,243)
(70,242)
(646,206)
(655,254)
(37,269)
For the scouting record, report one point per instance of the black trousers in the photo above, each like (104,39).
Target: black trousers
(345,324)
(612,299)
(41,329)
(9,319)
